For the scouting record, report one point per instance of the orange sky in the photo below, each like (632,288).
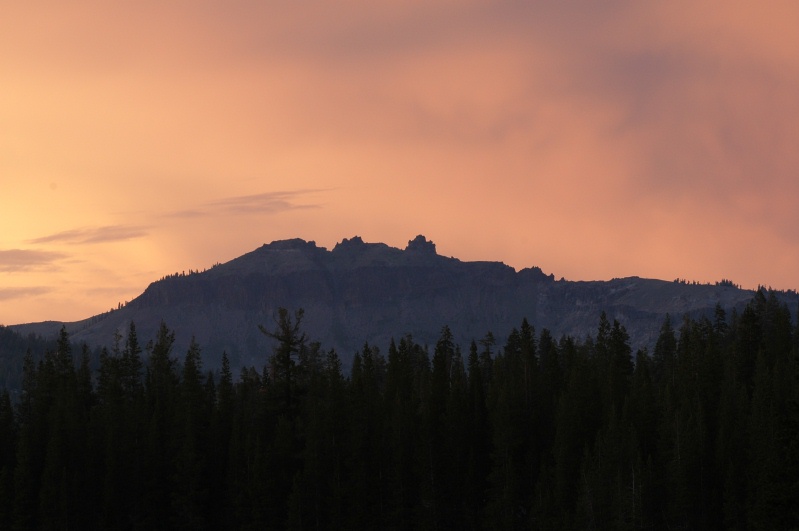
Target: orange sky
(592,139)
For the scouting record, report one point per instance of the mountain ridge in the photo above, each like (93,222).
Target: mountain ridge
(370,292)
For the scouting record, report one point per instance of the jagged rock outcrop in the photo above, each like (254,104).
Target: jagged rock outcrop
(372,292)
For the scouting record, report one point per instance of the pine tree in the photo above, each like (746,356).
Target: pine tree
(479,442)
(290,341)
(8,449)
(190,495)
(663,359)
(402,433)
(160,393)
(32,413)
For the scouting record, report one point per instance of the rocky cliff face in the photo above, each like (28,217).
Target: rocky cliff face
(371,292)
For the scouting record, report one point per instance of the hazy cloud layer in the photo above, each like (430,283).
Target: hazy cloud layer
(12,260)
(22,293)
(263,203)
(112,233)
(267,203)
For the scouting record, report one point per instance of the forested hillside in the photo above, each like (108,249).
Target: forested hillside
(539,432)
(13,346)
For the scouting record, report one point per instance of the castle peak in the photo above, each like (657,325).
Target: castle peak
(420,244)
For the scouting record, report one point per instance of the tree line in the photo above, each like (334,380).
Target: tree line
(541,432)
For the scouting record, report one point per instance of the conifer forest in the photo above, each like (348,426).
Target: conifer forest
(541,432)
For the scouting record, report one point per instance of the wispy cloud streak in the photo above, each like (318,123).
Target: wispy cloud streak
(12,260)
(91,235)
(267,203)
(20,293)
(264,203)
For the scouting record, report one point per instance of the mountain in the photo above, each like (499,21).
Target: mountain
(372,292)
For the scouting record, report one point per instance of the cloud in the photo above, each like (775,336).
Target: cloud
(110,233)
(264,203)
(267,203)
(26,259)
(19,293)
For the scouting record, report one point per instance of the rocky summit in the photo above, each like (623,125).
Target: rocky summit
(370,292)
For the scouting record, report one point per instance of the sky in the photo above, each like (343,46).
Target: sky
(594,140)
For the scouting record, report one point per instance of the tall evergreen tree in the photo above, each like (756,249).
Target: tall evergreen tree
(479,442)
(290,341)
(8,450)
(190,495)
(663,359)
(161,392)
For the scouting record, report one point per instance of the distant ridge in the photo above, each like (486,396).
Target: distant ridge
(370,292)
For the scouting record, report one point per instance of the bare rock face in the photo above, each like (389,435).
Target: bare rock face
(371,292)
(422,246)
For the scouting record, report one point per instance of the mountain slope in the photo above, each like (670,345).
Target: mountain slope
(372,292)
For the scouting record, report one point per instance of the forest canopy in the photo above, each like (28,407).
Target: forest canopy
(542,432)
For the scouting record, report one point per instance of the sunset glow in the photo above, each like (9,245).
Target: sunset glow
(594,140)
